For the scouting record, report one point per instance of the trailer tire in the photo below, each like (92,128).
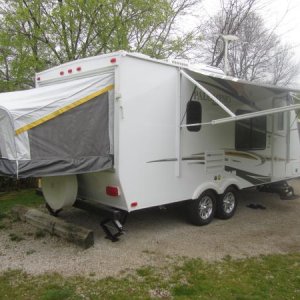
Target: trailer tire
(202,210)
(288,194)
(226,204)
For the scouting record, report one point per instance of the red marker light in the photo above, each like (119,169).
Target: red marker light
(38,79)
(112,191)
(70,71)
(134,204)
(78,69)
(62,73)
(113,60)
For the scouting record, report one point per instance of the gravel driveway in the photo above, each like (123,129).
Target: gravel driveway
(156,236)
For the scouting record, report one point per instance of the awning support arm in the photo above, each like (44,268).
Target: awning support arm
(257,114)
(248,115)
(208,93)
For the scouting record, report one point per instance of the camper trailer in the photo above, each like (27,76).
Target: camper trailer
(130,132)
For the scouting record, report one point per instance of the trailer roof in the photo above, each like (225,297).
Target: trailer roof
(205,70)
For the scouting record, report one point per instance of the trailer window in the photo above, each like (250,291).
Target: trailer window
(250,134)
(193,115)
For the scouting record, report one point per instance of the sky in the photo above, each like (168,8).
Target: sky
(284,15)
(281,15)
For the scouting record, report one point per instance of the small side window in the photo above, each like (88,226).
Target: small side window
(193,115)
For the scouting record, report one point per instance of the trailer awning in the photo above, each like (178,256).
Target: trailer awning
(240,99)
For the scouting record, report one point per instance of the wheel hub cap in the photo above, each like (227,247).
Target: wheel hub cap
(229,202)
(205,207)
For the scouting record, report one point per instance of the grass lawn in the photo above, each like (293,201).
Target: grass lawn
(24,197)
(264,277)
(8,200)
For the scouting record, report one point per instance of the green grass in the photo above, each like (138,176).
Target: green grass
(24,197)
(265,277)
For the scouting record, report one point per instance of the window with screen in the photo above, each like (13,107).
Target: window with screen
(250,134)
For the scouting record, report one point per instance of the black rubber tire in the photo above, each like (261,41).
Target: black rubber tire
(193,209)
(288,195)
(221,211)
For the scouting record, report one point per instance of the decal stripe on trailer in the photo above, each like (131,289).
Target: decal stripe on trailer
(250,177)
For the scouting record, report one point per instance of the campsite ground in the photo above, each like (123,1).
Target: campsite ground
(155,237)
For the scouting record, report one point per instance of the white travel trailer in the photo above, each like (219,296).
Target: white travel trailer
(131,132)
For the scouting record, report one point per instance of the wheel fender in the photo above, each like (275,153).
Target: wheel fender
(205,186)
(228,182)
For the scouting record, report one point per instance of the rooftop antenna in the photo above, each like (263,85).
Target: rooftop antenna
(227,38)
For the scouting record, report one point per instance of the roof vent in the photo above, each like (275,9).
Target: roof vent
(206,68)
(180,63)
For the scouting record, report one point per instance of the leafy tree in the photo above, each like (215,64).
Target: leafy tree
(37,34)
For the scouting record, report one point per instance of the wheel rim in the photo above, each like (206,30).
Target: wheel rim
(228,202)
(205,207)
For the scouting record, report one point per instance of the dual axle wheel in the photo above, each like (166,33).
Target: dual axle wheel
(202,210)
